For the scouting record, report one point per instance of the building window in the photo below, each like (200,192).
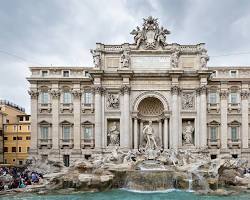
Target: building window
(14,138)
(27,118)
(20,149)
(1,132)
(65,73)
(6,127)
(233,98)
(213,134)
(87,98)
(234,134)
(21,118)
(66,132)
(28,149)
(44,132)
(13,149)
(44,97)
(15,129)
(5,149)
(5,138)
(233,73)
(213,156)
(66,97)
(20,128)
(235,156)
(28,127)
(20,162)
(19,138)
(27,137)
(88,132)
(213,98)
(44,73)
(66,160)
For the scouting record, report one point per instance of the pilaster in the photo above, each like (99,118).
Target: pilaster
(245,121)
(224,132)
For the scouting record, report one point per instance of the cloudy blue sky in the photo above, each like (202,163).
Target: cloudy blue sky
(61,32)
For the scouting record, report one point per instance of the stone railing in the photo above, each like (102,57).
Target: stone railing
(234,143)
(87,107)
(234,106)
(66,107)
(213,143)
(213,106)
(87,143)
(113,47)
(44,107)
(45,143)
(66,143)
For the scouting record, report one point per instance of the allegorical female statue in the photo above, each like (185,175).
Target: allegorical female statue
(187,134)
(114,135)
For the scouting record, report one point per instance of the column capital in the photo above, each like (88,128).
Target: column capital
(55,94)
(33,94)
(76,93)
(201,90)
(223,94)
(125,89)
(99,89)
(175,90)
(244,94)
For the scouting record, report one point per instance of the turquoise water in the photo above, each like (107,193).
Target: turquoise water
(127,195)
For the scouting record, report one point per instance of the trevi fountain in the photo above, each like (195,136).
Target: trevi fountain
(150,172)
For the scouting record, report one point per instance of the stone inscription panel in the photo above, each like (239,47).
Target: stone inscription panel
(150,62)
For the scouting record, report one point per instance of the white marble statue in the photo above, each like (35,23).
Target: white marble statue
(96,58)
(187,133)
(114,134)
(125,59)
(139,35)
(175,59)
(148,133)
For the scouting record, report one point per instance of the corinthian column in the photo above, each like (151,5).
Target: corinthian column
(174,137)
(244,102)
(55,95)
(98,117)
(77,118)
(135,133)
(34,131)
(203,116)
(125,134)
(224,136)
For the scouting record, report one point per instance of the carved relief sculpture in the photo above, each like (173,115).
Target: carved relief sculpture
(113,101)
(125,59)
(113,135)
(187,134)
(150,36)
(188,101)
(96,58)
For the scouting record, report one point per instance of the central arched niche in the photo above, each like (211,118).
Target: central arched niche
(150,107)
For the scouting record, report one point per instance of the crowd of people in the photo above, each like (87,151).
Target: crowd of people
(17,177)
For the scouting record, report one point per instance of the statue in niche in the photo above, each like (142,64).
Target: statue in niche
(125,59)
(148,133)
(96,58)
(175,59)
(187,134)
(114,135)
(113,101)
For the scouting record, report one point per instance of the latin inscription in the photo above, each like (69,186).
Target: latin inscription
(150,62)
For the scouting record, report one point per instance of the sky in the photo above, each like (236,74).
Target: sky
(61,33)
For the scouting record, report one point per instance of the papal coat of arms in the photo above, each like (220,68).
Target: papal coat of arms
(150,36)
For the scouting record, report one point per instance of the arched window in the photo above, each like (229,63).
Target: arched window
(44,97)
